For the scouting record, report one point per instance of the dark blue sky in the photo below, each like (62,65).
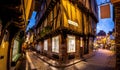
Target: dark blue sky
(32,20)
(106,24)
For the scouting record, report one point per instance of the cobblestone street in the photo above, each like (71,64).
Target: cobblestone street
(103,60)
(60,35)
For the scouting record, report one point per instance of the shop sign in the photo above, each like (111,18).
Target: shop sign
(72,23)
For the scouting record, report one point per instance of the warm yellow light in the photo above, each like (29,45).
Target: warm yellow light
(72,23)
(3,45)
(81,43)
(71,43)
(46,45)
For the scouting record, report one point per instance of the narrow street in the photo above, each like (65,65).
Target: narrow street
(103,60)
(60,35)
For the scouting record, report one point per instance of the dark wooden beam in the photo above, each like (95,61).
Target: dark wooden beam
(84,9)
(49,8)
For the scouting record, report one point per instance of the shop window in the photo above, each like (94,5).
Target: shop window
(46,45)
(15,47)
(71,44)
(81,42)
(55,44)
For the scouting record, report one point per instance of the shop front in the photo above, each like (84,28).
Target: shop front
(64,32)
(63,49)
(16,54)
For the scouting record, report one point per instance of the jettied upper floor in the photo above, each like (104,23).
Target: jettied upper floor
(14,18)
(15,15)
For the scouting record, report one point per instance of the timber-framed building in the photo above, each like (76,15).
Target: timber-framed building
(65,29)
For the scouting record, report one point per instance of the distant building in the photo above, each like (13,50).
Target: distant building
(105,40)
(110,40)
(101,35)
(100,39)
(30,40)
(65,29)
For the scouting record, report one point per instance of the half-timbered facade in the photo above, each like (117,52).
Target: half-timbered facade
(65,29)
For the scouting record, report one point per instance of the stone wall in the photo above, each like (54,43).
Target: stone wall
(117,28)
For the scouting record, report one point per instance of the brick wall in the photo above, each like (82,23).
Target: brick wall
(117,40)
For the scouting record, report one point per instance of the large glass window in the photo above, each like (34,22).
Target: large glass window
(15,47)
(46,45)
(55,44)
(71,44)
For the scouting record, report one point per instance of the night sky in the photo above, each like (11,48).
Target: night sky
(106,24)
(32,21)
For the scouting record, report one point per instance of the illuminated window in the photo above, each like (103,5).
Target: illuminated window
(55,44)
(46,45)
(81,42)
(71,44)
(15,47)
